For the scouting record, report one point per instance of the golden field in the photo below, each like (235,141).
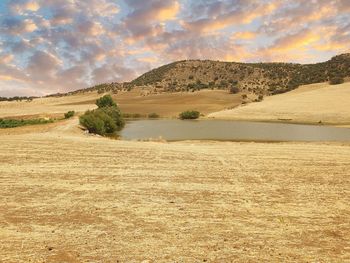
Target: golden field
(307,104)
(164,104)
(72,197)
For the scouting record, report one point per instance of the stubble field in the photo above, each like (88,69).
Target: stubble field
(70,197)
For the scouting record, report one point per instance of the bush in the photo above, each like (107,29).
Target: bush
(189,115)
(336,81)
(12,123)
(106,120)
(234,90)
(105,101)
(153,116)
(69,114)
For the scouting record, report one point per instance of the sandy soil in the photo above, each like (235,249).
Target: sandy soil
(166,105)
(70,197)
(307,104)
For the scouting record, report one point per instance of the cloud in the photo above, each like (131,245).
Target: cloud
(242,15)
(21,7)
(246,35)
(16,26)
(49,46)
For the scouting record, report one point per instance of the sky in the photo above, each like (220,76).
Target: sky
(50,46)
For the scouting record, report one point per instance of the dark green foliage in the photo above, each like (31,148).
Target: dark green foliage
(106,120)
(336,81)
(17,98)
(69,114)
(153,116)
(105,101)
(11,123)
(189,115)
(223,84)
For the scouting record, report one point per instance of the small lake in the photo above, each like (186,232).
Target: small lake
(178,130)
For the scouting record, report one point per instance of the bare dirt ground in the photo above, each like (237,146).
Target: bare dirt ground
(166,104)
(70,197)
(307,104)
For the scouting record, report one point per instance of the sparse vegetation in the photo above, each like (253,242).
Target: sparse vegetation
(153,116)
(69,114)
(106,120)
(258,78)
(12,123)
(189,115)
(17,98)
(336,81)
(133,115)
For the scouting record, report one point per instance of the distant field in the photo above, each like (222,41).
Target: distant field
(308,104)
(166,105)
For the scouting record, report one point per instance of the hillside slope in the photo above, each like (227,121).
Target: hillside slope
(134,102)
(258,78)
(309,104)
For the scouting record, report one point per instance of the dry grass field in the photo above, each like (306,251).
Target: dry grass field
(307,104)
(71,197)
(166,104)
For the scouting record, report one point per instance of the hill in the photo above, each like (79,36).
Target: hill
(307,104)
(258,78)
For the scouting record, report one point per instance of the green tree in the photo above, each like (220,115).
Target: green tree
(105,101)
(106,120)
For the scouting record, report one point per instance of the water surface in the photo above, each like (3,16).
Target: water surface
(178,130)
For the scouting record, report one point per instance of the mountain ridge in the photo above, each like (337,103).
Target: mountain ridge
(264,78)
(260,78)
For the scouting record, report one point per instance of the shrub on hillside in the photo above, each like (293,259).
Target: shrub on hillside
(336,81)
(106,120)
(189,115)
(234,90)
(69,114)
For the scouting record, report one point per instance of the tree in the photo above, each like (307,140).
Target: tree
(234,89)
(105,101)
(106,120)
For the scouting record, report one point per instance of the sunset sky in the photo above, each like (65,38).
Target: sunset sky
(49,46)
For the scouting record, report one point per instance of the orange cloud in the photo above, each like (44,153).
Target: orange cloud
(32,6)
(299,40)
(6,77)
(6,58)
(168,12)
(232,18)
(29,26)
(247,35)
